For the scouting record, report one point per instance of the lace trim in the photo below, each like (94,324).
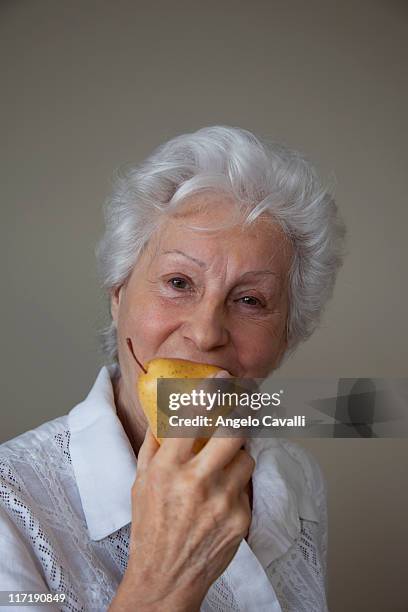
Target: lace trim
(54,521)
(317,485)
(298,577)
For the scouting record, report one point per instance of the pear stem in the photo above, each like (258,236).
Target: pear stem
(129,343)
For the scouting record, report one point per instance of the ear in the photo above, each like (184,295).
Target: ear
(116,297)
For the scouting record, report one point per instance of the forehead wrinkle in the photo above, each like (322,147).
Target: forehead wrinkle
(260,276)
(178,252)
(266,273)
(277,238)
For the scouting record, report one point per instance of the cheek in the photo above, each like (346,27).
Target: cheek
(148,323)
(258,347)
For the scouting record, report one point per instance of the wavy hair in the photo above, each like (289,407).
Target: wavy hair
(261,177)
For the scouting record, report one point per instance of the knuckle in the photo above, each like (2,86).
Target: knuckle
(221,507)
(191,474)
(240,521)
(188,483)
(191,478)
(248,460)
(140,477)
(157,476)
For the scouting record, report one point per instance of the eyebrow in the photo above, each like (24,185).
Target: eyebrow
(204,265)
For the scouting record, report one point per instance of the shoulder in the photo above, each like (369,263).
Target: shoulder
(292,460)
(35,472)
(53,431)
(297,470)
(307,462)
(40,515)
(45,447)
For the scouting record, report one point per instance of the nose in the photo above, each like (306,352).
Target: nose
(206,326)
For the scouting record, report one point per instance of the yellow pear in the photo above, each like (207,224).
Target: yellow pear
(168,368)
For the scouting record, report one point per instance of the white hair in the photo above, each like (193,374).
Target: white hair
(261,178)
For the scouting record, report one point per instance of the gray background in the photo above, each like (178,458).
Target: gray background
(88,85)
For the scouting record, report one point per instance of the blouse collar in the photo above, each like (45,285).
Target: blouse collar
(105,466)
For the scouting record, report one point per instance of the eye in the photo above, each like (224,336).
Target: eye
(250,300)
(177,282)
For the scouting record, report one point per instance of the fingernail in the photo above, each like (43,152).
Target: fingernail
(223,374)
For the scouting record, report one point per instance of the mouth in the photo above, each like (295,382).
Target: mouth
(216,365)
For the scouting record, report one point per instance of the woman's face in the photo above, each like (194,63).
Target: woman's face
(219,298)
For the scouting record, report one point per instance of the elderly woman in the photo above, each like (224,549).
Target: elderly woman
(221,250)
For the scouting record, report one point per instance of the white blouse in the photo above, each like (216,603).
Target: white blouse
(65,512)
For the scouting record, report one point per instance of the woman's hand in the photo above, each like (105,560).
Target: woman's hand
(189,515)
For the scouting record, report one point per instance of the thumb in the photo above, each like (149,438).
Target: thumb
(147,450)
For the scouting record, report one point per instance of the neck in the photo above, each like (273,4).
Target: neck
(130,415)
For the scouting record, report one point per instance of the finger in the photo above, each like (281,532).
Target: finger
(240,470)
(217,453)
(147,450)
(177,450)
(221,374)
